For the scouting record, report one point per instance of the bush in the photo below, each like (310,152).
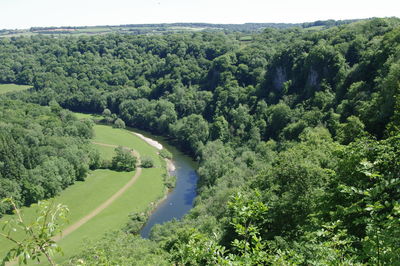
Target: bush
(106,112)
(106,164)
(169,181)
(119,123)
(123,160)
(147,162)
(136,222)
(165,154)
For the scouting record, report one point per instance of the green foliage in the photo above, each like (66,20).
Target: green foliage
(169,181)
(165,154)
(217,164)
(194,248)
(258,117)
(123,160)
(365,196)
(122,249)
(106,112)
(119,123)
(351,130)
(136,222)
(38,234)
(247,217)
(147,162)
(42,151)
(155,116)
(191,132)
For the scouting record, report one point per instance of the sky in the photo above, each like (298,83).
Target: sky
(19,14)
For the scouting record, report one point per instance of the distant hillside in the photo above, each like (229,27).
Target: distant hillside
(162,28)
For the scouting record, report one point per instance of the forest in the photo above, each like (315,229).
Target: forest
(43,150)
(296,133)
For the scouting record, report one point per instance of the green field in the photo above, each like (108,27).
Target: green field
(246,38)
(83,197)
(122,137)
(106,153)
(93,117)
(5,88)
(97,188)
(148,188)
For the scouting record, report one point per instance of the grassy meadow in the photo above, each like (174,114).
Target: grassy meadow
(122,137)
(148,188)
(6,88)
(83,197)
(106,153)
(88,116)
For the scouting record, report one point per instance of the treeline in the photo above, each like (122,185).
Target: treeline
(328,23)
(42,151)
(296,133)
(147,28)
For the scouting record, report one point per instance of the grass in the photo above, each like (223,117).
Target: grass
(106,153)
(6,88)
(148,188)
(122,137)
(83,197)
(94,117)
(94,29)
(97,188)
(246,38)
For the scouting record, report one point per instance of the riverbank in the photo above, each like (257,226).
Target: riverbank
(147,190)
(150,141)
(176,202)
(170,165)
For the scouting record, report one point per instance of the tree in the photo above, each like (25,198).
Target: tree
(364,196)
(108,116)
(247,217)
(123,160)
(119,123)
(351,130)
(219,129)
(279,117)
(147,162)
(106,112)
(191,131)
(38,234)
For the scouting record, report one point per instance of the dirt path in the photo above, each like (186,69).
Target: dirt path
(105,204)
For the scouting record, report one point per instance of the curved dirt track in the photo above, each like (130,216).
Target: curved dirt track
(105,204)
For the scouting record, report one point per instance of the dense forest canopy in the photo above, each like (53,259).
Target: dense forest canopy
(42,151)
(296,132)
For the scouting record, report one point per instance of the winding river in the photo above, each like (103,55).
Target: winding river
(180,200)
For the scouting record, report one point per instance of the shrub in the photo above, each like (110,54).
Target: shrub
(147,162)
(123,160)
(119,123)
(165,154)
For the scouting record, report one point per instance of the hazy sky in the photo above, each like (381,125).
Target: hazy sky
(28,13)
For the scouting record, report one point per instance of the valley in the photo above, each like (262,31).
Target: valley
(285,141)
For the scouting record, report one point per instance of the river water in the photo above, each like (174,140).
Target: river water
(180,200)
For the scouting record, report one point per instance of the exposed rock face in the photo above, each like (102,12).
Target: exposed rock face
(279,78)
(312,79)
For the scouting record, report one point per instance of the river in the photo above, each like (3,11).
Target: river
(180,200)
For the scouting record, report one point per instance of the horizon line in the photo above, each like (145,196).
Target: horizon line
(209,23)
